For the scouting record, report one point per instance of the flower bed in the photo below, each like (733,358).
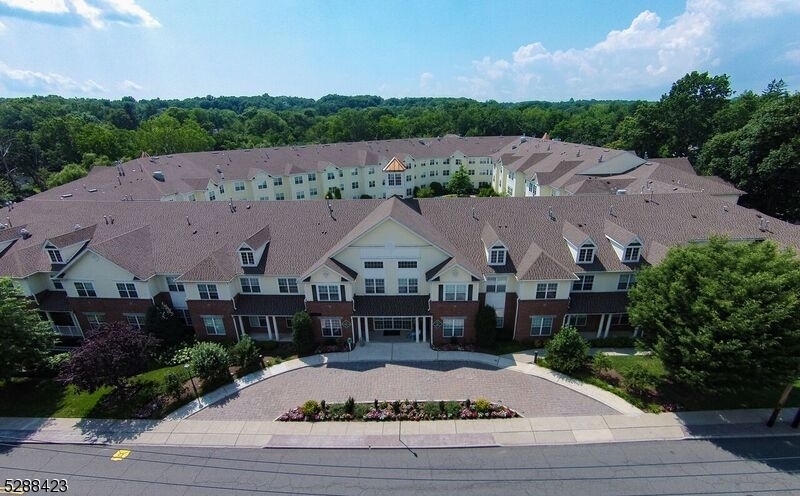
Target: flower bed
(386,411)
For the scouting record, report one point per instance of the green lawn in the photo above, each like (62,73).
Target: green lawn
(669,396)
(49,398)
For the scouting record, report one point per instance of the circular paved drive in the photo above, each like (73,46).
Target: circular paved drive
(529,395)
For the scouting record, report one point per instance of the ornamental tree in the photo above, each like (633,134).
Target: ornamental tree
(460,183)
(567,351)
(26,338)
(722,316)
(108,356)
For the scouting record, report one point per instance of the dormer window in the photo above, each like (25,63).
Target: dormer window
(586,254)
(247,257)
(55,255)
(632,252)
(497,255)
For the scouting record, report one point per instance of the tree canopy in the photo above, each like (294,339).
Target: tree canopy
(108,356)
(722,316)
(26,338)
(459,183)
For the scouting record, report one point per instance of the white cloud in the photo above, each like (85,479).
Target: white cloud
(129,85)
(95,13)
(3,28)
(793,55)
(23,80)
(649,53)
(425,80)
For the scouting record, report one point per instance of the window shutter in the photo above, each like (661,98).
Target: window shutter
(441,292)
(469,292)
(342,295)
(314,292)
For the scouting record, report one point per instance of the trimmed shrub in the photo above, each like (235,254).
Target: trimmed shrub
(601,363)
(310,408)
(567,351)
(245,353)
(639,380)
(350,405)
(486,326)
(482,405)
(302,333)
(209,361)
(173,385)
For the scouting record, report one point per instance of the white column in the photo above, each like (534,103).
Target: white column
(366,329)
(425,328)
(275,327)
(600,327)
(269,328)
(241,324)
(235,327)
(416,329)
(608,326)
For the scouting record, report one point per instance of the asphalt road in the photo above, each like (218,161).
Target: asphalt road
(730,467)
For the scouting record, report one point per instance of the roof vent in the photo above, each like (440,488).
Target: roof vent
(92,190)
(66,195)
(550,213)
(622,191)
(24,233)
(158,175)
(76,227)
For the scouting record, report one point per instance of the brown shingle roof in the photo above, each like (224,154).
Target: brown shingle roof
(154,237)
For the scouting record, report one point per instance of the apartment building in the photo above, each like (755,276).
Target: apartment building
(513,166)
(363,269)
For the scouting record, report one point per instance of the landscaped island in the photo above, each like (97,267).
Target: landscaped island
(384,411)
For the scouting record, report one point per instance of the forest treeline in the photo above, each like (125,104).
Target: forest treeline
(751,139)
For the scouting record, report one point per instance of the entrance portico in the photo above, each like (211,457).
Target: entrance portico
(392,318)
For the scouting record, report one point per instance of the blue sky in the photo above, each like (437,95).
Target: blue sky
(482,49)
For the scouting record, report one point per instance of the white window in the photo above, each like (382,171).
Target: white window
(371,171)
(135,320)
(575,320)
(542,325)
(208,291)
(371,184)
(238,186)
(584,282)
(287,285)
(278,181)
(546,291)
(370,264)
(258,321)
(407,264)
(331,327)
(211,196)
(262,184)
(354,185)
(453,327)
(185,316)
(214,325)
(374,286)
(495,284)
(300,195)
(327,292)
(312,176)
(497,255)
(85,289)
(331,176)
(395,179)
(626,281)
(633,252)
(247,256)
(175,286)
(312,192)
(250,285)
(96,319)
(455,292)
(127,290)
(407,285)
(280,196)
(55,255)
(221,188)
(446,172)
(298,179)
(57,284)
(586,254)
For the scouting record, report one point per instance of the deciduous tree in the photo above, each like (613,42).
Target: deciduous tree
(722,316)
(26,338)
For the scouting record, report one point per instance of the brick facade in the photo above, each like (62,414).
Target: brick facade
(341,309)
(466,309)
(529,308)
(223,308)
(113,308)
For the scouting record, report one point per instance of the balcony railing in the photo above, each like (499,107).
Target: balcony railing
(68,330)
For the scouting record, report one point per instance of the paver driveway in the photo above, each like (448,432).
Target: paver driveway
(531,396)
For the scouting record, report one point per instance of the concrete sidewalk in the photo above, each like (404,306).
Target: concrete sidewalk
(426,434)
(179,429)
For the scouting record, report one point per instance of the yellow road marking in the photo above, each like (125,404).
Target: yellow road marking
(120,455)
